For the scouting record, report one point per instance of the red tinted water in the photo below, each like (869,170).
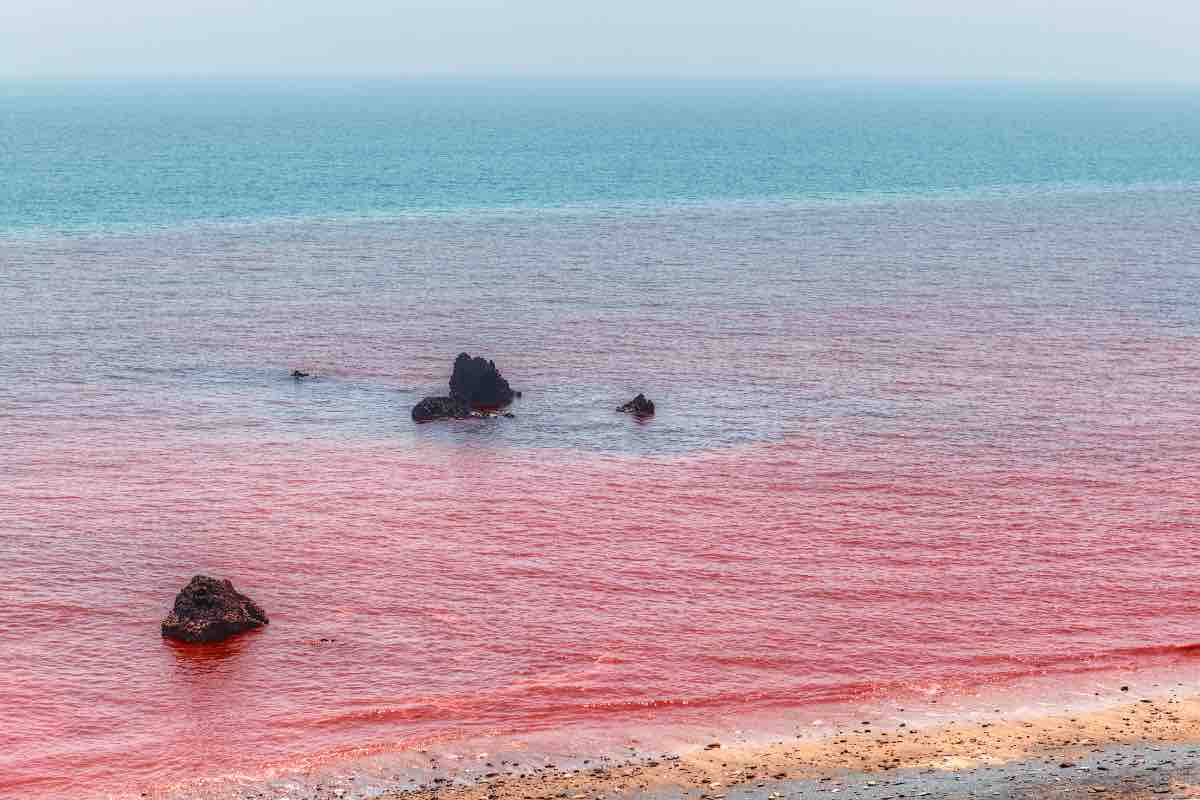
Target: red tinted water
(898,447)
(470,591)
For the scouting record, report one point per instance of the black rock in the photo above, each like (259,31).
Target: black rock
(431,408)
(477,382)
(639,406)
(209,610)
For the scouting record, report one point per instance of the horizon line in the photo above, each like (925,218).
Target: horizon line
(598,78)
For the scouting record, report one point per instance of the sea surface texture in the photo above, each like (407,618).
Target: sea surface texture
(926,361)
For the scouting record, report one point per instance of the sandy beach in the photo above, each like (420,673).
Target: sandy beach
(1138,747)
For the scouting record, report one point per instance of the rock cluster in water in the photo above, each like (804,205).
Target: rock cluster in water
(639,406)
(209,610)
(477,389)
(475,384)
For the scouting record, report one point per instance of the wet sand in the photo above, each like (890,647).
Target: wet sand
(1137,747)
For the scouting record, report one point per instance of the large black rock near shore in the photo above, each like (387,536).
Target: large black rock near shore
(475,383)
(209,610)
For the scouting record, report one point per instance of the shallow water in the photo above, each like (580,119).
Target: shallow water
(926,441)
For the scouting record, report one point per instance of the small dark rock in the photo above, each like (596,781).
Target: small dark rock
(477,382)
(209,610)
(431,408)
(639,406)
(297,374)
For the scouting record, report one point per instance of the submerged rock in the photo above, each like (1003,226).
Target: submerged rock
(477,382)
(209,610)
(431,408)
(639,406)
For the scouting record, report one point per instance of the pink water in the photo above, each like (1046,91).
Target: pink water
(973,481)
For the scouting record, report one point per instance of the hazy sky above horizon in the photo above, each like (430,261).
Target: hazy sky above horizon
(1099,40)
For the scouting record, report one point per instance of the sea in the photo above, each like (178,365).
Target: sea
(925,356)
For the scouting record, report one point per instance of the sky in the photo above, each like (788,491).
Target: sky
(1073,40)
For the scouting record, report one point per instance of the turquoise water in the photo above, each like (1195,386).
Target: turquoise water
(97,155)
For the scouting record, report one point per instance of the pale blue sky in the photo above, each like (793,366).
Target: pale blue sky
(1098,40)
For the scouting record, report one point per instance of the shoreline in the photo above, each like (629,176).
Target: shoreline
(1139,747)
(1139,737)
